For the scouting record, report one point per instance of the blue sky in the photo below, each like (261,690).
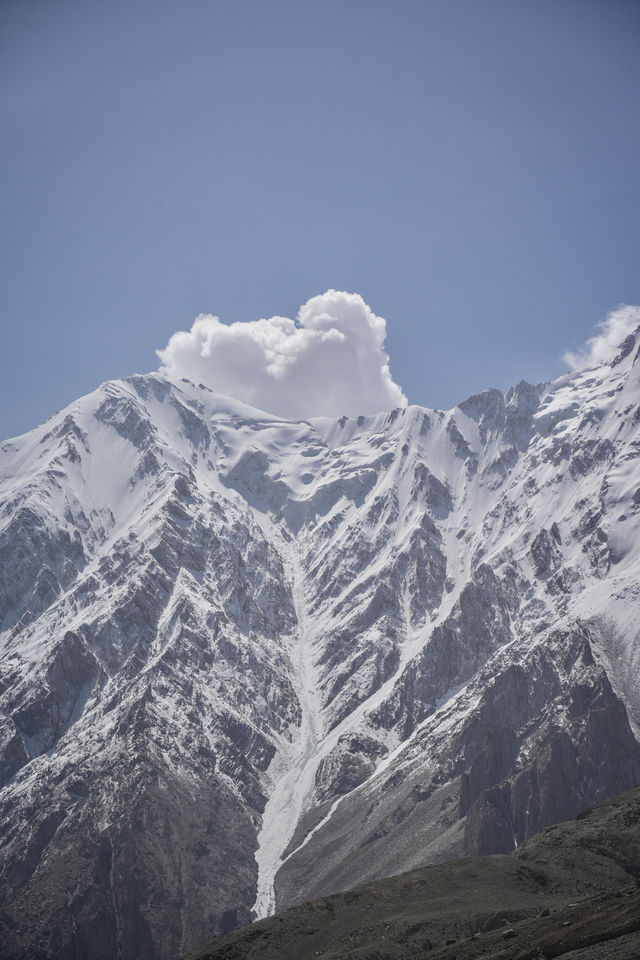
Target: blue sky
(470,168)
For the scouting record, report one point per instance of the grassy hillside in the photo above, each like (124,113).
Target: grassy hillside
(573,890)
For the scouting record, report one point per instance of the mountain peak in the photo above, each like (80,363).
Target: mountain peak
(304,653)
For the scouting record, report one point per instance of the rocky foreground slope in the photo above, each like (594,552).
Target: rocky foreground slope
(571,891)
(247,661)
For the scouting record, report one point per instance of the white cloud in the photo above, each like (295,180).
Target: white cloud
(603,345)
(328,362)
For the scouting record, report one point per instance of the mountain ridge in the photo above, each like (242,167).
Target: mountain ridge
(305,652)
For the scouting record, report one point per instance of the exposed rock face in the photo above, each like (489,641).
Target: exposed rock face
(247,661)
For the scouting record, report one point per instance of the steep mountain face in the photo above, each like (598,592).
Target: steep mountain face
(245,661)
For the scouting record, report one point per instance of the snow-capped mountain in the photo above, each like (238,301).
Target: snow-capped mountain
(244,661)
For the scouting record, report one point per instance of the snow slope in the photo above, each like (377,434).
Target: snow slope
(246,660)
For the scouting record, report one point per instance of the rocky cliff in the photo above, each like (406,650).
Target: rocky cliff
(245,661)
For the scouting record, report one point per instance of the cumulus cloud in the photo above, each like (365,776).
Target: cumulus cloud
(328,362)
(608,336)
